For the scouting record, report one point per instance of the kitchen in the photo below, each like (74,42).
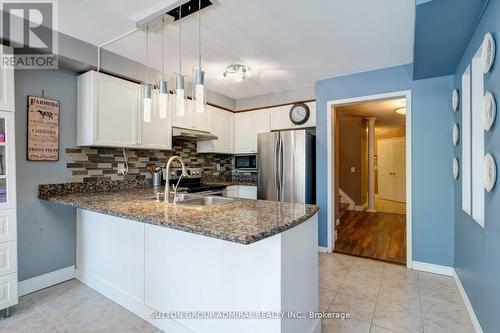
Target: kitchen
(172,172)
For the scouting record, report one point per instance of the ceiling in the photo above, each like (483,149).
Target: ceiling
(440,44)
(289,44)
(383,110)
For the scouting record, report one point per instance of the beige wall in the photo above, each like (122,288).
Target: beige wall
(352,148)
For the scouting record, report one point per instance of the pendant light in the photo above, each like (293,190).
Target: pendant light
(162,84)
(199,75)
(146,89)
(180,95)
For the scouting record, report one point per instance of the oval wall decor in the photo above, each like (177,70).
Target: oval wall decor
(456,168)
(456,134)
(490,172)
(489,110)
(455,100)
(488,53)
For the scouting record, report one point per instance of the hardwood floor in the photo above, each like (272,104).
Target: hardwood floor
(378,235)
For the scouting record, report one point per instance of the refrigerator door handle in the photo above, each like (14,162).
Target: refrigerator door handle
(282,169)
(275,167)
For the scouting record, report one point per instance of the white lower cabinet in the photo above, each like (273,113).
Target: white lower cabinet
(8,227)
(8,258)
(242,191)
(8,290)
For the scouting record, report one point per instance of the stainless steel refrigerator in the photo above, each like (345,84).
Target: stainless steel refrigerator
(286,163)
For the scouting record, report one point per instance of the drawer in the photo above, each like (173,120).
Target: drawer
(8,290)
(8,228)
(8,258)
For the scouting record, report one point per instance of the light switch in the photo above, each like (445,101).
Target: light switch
(353,169)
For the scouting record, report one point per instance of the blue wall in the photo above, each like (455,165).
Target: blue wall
(477,249)
(431,156)
(46,232)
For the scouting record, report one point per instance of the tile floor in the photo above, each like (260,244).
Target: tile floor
(389,206)
(381,298)
(388,298)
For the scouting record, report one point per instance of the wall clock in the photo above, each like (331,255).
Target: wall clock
(456,134)
(489,110)
(490,172)
(456,168)
(299,113)
(455,100)
(488,53)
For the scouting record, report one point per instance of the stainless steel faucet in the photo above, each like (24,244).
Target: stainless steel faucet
(167,176)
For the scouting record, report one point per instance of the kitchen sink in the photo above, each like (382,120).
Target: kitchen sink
(202,201)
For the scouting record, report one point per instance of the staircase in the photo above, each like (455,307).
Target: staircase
(343,208)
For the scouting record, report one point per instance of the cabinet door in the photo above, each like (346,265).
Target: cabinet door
(248,192)
(183,121)
(244,132)
(201,121)
(8,258)
(8,226)
(6,83)
(222,127)
(262,121)
(8,290)
(156,134)
(7,162)
(116,106)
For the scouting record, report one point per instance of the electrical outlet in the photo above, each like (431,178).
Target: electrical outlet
(353,169)
(121,169)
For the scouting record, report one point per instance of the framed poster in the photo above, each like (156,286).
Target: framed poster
(43,129)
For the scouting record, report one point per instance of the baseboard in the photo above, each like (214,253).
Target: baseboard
(46,280)
(137,307)
(468,304)
(359,208)
(324,249)
(433,268)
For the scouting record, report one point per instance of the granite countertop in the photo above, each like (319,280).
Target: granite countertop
(240,221)
(231,182)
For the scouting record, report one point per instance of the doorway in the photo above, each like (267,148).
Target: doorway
(370,177)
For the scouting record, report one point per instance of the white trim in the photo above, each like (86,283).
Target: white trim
(324,249)
(468,304)
(331,152)
(433,268)
(46,280)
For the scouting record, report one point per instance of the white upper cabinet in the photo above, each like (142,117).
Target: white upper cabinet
(156,134)
(108,109)
(222,125)
(192,119)
(201,121)
(6,83)
(280,117)
(246,127)
(183,120)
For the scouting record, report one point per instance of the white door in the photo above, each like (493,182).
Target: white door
(392,169)
(116,111)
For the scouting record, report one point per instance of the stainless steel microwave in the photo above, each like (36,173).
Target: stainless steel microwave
(245,162)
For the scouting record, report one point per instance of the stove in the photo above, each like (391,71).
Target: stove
(193,184)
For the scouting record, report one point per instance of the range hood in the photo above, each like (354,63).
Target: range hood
(185,133)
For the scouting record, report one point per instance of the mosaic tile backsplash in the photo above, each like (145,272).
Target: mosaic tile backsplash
(101,164)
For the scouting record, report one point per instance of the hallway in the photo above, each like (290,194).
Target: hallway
(378,235)
(387,298)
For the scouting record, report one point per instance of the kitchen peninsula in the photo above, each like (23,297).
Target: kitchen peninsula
(244,255)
